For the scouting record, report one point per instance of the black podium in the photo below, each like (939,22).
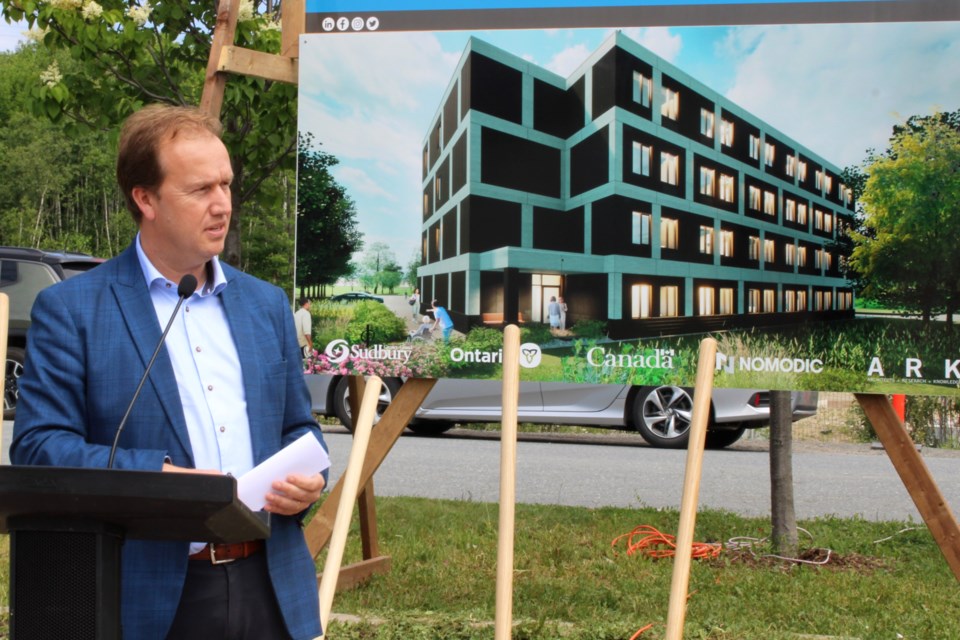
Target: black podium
(67,526)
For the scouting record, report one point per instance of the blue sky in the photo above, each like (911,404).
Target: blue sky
(835,88)
(11,34)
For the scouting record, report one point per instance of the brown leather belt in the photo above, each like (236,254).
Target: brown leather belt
(224,553)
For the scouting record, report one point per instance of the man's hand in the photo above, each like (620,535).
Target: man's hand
(294,494)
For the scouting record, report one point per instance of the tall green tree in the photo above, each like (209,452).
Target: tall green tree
(124,54)
(378,266)
(327,233)
(907,251)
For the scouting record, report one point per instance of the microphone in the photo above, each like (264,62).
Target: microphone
(188,284)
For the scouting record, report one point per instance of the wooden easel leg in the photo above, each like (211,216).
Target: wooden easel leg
(915,475)
(368,522)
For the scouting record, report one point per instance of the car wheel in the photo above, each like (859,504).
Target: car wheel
(430,427)
(662,416)
(720,438)
(341,400)
(11,381)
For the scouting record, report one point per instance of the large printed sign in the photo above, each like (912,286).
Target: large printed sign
(622,179)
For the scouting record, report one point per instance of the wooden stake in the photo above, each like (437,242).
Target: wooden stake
(362,425)
(224,33)
(503,621)
(915,475)
(691,488)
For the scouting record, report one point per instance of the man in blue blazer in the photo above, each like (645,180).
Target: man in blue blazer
(225,393)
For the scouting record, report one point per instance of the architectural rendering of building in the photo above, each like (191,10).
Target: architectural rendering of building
(635,192)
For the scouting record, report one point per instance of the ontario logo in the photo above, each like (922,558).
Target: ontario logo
(339,350)
(530,355)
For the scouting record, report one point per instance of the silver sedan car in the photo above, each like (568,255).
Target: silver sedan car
(660,414)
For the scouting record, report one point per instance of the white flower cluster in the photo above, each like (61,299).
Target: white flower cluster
(52,75)
(246,11)
(36,34)
(66,5)
(140,13)
(270,25)
(91,10)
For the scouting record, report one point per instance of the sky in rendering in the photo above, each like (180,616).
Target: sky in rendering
(835,88)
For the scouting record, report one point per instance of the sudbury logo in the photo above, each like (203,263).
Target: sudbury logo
(338,351)
(530,355)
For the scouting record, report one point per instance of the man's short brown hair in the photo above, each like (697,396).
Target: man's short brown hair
(138,163)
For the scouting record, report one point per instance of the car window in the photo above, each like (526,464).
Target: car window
(71,269)
(22,281)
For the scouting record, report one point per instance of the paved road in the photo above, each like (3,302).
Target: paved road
(845,480)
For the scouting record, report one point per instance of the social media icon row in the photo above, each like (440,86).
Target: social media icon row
(344,23)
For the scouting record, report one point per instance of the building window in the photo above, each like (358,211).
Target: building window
(706,240)
(754,147)
(669,168)
(437,188)
(708,181)
(769,300)
(802,257)
(827,183)
(769,154)
(789,209)
(641,297)
(818,179)
(669,233)
(846,194)
(802,171)
(753,300)
(801,300)
(726,243)
(668,301)
(791,166)
(789,254)
(642,89)
(640,228)
(671,104)
(770,203)
(828,223)
(707,119)
(828,300)
(817,219)
(726,301)
(754,243)
(818,300)
(642,157)
(802,213)
(727,188)
(426,205)
(789,300)
(726,133)
(753,198)
(818,259)
(769,251)
(705,301)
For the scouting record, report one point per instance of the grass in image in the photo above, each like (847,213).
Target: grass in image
(879,579)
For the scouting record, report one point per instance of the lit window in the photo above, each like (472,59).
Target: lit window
(754,244)
(726,301)
(789,254)
(828,223)
(817,219)
(706,240)
(802,213)
(818,300)
(790,209)
(753,300)
(426,205)
(770,203)
(789,300)
(671,104)
(726,243)
(705,301)
(640,228)
(669,233)
(727,188)
(726,133)
(802,257)
(642,157)
(818,179)
(669,168)
(642,89)
(754,147)
(769,154)
(707,119)
(802,170)
(753,198)
(708,181)
(668,301)
(801,300)
(769,300)
(827,183)
(818,259)
(641,298)
(828,300)
(769,250)
(791,166)
(437,188)
(846,193)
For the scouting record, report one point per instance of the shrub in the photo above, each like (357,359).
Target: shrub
(589,329)
(374,323)
(535,333)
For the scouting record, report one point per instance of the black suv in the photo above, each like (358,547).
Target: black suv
(23,273)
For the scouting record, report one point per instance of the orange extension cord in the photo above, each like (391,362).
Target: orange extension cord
(653,543)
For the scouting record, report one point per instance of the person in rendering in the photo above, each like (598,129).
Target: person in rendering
(415,303)
(303,322)
(553,313)
(226,392)
(563,313)
(442,320)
